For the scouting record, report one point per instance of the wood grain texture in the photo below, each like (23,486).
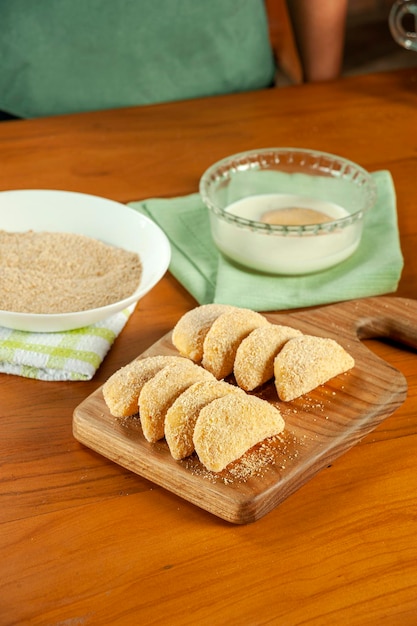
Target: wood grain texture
(320,426)
(84,540)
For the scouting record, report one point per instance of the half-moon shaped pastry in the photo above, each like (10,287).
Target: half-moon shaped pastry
(306,362)
(121,391)
(183,413)
(254,362)
(224,338)
(228,427)
(190,330)
(161,390)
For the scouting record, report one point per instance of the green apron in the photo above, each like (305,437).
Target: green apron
(64,56)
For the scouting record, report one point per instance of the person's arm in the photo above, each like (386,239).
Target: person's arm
(319,29)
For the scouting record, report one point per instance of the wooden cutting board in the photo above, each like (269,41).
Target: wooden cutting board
(320,426)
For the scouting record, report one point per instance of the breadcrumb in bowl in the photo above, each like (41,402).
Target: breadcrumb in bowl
(111,226)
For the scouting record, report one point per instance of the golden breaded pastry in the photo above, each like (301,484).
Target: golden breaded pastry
(254,362)
(190,330)
(161,390)
(306,362)
(224,338)
(183,413)
(121,391)
(228,427)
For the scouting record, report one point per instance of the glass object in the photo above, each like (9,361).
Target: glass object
(239,189)
(402,15)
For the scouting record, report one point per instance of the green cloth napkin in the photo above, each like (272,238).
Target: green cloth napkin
(69,355)
(374,269)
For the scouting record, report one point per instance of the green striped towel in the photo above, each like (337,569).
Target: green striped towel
(69,355)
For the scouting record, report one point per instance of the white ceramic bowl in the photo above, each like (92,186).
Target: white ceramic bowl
(279,177)
(111,222)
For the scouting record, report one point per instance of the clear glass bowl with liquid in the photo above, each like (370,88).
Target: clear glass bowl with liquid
(287,211)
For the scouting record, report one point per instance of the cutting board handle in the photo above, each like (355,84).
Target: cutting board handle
(394,318)
(369,318)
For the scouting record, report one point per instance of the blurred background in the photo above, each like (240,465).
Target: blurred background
(369,44)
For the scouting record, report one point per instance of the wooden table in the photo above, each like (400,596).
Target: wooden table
(84,541)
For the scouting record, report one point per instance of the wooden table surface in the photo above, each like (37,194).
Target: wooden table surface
(84,541)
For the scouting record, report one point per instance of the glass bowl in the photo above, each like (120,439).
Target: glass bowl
(242,188)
